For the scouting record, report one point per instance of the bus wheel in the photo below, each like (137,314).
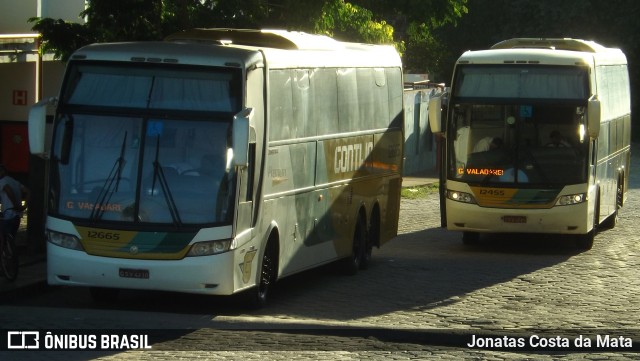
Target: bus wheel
(612,220)
(585,241)
(352,264)
(470,238)
(373,238)
(258,296)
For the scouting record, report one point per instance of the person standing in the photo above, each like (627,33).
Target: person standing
(12,193)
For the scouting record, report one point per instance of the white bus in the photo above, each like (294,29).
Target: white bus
(218,161)
(538,138)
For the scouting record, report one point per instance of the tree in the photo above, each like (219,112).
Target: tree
(349,22)
(416,23)
(612,23)
(129,20)
(122,20)
(370,21)
(61,38)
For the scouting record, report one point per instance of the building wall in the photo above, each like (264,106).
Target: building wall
(14,14)
(17,91)
(420,151)
(18,73)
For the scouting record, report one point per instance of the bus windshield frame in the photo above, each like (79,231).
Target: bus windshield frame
(145,145)
(519,125)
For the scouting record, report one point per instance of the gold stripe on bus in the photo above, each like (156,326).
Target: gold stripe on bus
(505,198)
(120,244)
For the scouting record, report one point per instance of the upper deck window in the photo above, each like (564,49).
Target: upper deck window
(522,82)
(140,87)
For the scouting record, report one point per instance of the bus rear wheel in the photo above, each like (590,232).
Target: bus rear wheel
(352,264)
(373,238)
(612,220)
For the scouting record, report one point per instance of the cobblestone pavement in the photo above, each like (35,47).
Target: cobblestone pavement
(422,298)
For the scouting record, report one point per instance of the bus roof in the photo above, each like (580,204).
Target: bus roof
(168,53)
(238,48)
(551,43)
(279,39)
(563,51)
(285,49)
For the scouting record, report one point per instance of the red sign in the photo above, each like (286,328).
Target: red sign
(19,97)
(14,146)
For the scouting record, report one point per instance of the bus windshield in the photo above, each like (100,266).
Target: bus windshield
(144,145)
(527,144)
(519,124)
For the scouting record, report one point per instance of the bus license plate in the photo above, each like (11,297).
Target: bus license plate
(514,219)
(134,273)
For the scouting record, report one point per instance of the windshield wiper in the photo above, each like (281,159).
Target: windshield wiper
(110,185)
(158,174)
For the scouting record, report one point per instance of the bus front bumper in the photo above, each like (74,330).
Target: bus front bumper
(571,219)
(201,275)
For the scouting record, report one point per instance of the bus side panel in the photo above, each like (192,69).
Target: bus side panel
(387,161)
(614,140)
(297,207)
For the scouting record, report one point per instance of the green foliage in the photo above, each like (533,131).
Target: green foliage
(61,38)
(370,21)
(419,192)
(348,22)
(124,20)
(611,23)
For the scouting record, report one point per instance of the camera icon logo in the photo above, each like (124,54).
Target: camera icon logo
(21,340)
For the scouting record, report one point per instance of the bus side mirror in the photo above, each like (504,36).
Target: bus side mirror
(240,137)
(435,114)
(594,113)
(37,125)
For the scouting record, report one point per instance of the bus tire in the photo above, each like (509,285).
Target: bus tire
(585,241)
(470,238)
(257,297)
(612,220)
(373,238)
(352,264)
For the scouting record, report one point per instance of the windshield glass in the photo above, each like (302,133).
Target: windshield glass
(519,124)
(535,144)
(144,146)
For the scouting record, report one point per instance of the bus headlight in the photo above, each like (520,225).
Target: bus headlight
(571,199)
(64,240)
(460,197)
(209,247)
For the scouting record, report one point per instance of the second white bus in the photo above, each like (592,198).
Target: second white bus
(537,139)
